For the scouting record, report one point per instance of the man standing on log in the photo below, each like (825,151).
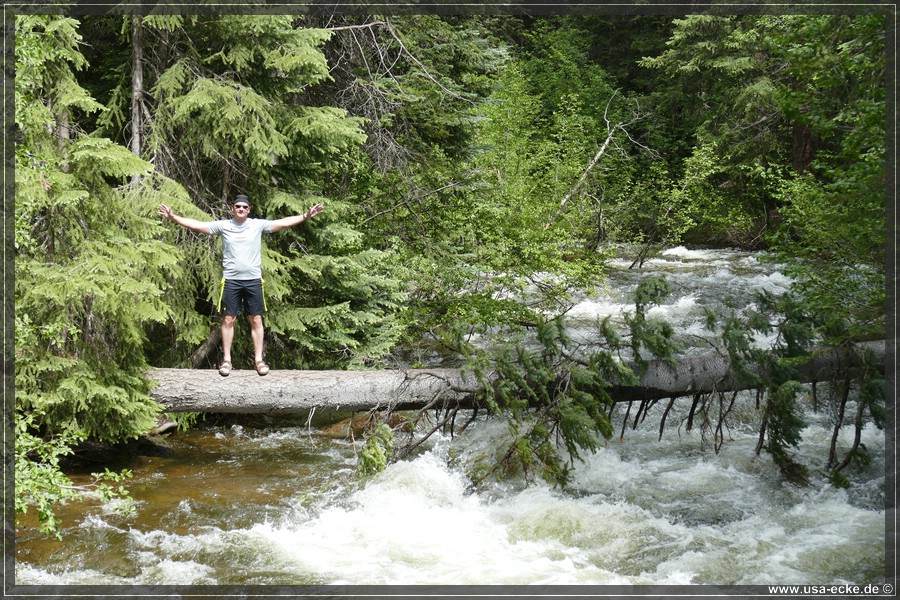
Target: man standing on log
(242,282)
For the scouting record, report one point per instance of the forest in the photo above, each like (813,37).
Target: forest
(463,161)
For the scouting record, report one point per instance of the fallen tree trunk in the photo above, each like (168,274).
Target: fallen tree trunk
(298,392)
(713,373)
(285,392)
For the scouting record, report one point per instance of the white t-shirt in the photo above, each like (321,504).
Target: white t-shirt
(241,246)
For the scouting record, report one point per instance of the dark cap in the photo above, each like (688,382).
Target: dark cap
(241,197)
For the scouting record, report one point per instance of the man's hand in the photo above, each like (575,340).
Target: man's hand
(165,212)
(314,211)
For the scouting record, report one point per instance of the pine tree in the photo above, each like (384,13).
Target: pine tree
(89,268)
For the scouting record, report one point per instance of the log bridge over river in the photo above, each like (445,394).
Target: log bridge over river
(300,392)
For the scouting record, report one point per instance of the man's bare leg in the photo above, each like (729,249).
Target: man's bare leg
(227,339)
(257,333)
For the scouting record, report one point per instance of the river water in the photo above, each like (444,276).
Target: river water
(271,502)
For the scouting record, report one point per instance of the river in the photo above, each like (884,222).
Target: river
(267,501)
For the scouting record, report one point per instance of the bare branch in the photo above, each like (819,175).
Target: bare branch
(407,202)
(412,57)
(611,132)
(363,26)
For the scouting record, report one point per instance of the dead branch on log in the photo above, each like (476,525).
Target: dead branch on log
(611,132)
(764,425)
(857,436)
(625,422)
(351,27)
(662,421)
(690,417)
(845,395)
(719,435)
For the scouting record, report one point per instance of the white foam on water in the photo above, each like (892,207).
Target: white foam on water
(682,309)
(775,282)
(168,543)
(31,575)
(698,279)
(815,540)
(679,259)
(746,526)
(700,255)
(671,514)
(177,572)
(620,263)
(591,310)
(416,524)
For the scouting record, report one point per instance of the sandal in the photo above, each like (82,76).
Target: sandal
(262,368)
(225,368)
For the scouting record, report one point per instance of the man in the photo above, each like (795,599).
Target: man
(242,269)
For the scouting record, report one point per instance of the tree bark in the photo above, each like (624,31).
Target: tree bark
(803,149)
(298,392)
(137,87)
(286,392)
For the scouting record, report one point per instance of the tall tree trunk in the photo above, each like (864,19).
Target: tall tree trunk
(137,87)
(803,150)
(63,136)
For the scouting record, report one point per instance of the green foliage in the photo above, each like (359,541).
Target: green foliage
(545,398)
(797,331)
(783,427)
(724,80)
(654,336)
(235,109)
(837,245)
(377,451)
(720,91)
(238,105)
(87,271)
(439,183)
(41,484)
(39,480)
(47,53)
(350,297)
(763,98)
(551,113)
(782,422)
(834,227)
(554,398)
(89,277)
(786,115)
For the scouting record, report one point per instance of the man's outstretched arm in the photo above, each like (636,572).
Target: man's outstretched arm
(296,219)
(192,224)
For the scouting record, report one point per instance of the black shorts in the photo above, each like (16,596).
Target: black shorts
(243,294)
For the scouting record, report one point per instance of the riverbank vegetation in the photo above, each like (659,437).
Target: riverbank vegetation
(466,162)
